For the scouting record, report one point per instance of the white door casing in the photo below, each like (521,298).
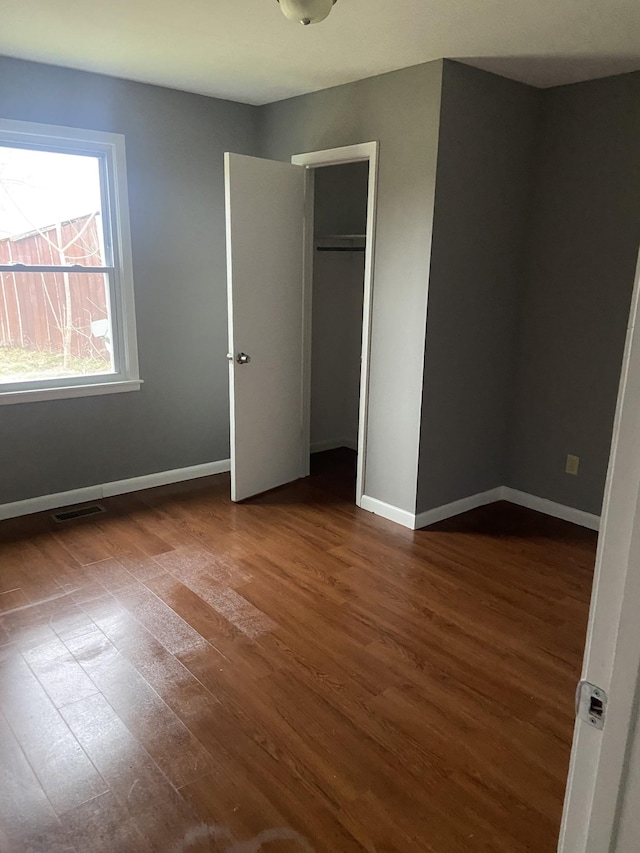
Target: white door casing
(265,204)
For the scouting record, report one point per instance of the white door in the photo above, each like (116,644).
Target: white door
(597,818)
(265,203)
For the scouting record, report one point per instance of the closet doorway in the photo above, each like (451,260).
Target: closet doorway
(338,288)
(337,301)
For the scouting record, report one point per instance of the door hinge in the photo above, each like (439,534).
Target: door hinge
(591,704)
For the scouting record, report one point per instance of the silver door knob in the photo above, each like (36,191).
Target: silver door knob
(241,358)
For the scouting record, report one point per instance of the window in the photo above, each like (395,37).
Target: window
(67,325)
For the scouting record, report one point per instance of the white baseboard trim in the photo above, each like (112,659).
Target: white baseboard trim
(333,444)
(393,513)
(566,513)
(440,513)
(500,493)
(44,503)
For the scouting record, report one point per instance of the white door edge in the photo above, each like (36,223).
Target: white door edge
(597,774)
(366,151)
(230,335)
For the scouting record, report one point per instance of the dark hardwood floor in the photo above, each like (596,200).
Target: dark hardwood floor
(287,675)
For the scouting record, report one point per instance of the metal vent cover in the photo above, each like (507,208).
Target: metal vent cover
(77,512)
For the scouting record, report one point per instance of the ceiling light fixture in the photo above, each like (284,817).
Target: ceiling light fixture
(306,11)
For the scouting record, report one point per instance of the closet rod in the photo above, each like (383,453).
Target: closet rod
(340,249)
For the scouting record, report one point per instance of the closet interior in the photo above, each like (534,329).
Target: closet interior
(340,218)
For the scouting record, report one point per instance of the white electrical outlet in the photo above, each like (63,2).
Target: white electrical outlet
(573,464)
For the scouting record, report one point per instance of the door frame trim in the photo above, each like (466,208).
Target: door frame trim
(366,151)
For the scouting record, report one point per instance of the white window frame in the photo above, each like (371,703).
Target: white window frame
(110,148)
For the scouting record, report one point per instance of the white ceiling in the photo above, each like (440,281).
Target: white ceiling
(245,50)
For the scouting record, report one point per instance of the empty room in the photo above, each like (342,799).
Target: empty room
(319,405)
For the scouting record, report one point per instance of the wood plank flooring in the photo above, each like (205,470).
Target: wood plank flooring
(287,675)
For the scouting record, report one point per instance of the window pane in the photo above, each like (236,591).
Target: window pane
(50,208)
(54,325)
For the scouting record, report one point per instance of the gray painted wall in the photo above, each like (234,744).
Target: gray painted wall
(584,233)
(340,203)
(175,142)
(486,148)
(338,289)
(400,110)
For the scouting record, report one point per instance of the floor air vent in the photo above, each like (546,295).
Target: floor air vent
(81,512)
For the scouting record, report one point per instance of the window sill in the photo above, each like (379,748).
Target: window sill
(63,392)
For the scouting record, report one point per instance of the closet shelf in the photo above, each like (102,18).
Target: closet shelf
(341,243)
